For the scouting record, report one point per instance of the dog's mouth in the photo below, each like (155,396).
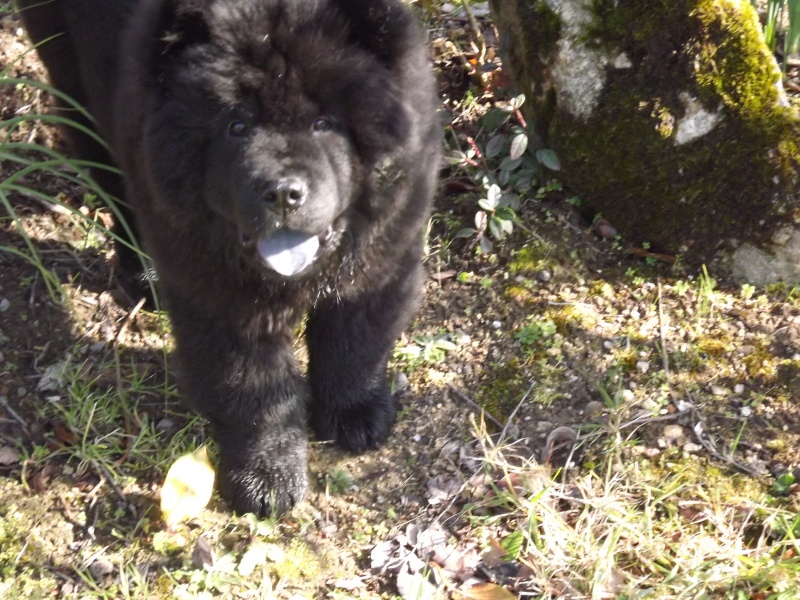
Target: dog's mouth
(289,252)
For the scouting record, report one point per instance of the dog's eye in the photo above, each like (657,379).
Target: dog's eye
(322,124)
(237,128)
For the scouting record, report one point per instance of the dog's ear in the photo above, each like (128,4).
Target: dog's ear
(181,23)
(386,28)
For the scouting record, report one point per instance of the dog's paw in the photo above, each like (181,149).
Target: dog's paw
(358,429)
(267,481)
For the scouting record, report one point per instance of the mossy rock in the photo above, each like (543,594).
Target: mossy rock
(670,120)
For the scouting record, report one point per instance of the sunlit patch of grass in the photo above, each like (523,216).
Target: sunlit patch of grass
(133,427)
(628,527)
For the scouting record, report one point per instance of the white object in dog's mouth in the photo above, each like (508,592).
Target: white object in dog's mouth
(289,252)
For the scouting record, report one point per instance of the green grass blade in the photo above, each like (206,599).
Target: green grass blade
(793,35)
(774,8)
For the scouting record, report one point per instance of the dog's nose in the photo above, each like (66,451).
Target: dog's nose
(285,194)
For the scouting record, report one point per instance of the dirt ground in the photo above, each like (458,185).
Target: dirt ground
(541,334)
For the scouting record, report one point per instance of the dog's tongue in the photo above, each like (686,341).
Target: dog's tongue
(288,252)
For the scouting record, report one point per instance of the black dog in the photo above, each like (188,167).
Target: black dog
(279,157)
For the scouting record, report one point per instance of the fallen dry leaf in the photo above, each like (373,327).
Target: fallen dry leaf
(187,488)
(8,456)
(202,555)
(484,591)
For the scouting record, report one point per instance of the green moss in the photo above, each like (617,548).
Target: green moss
(519,294)
(12,532)
(18,549)
(527,261)
(704,479)
(501,394)
(761,363)
(299,562)
(601,288)
(712,346)
(712,51)
(571,317)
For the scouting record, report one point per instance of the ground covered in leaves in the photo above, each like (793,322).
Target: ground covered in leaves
(578,419)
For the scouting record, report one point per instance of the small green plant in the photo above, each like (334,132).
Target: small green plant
(707,295)
(534,332)
(338,481)
(776,9)
(650,260)
(508,161)
(782,486)
(681,288)
(424,349)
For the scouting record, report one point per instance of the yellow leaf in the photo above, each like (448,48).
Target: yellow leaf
(187,488)
(484,591)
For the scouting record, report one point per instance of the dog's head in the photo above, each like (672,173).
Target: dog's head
(286,114)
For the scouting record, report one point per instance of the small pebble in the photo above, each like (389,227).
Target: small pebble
(627,395)
(604,229)
(165,424)
(593,409)
(400,381)
(692,448)
(738,389)
(746,411)
(673,432)
(100,568)
(496,324)
(545,275)
(643,366)
(777,469)
(718,390)
(5,304)
(462,338)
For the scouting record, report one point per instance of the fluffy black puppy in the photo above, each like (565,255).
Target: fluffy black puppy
(280,159)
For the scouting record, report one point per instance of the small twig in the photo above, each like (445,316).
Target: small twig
(125,323)
(586,304)
(520,118)
(130,316)
(709,445)
(106,474)
(514,412)
(476,30)
(647,420)
(475,405)
(13,414)
(666,258)
(32,297)
(664,357)
(466,398)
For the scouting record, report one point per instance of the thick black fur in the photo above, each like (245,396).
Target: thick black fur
(236,119)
